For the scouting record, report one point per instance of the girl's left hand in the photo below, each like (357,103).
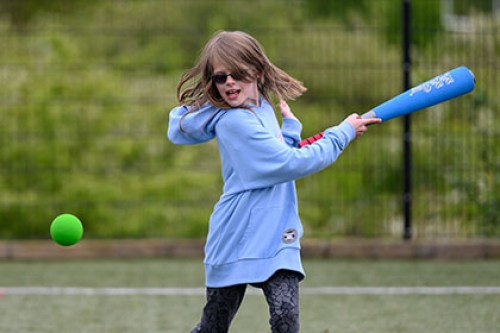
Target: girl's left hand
(285,110)
(360,124)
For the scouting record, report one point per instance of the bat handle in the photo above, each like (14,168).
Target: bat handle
(310,140)
(368,115)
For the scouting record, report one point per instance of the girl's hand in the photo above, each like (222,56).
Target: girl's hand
(360,124)
(285,110)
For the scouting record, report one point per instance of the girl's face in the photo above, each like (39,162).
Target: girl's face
(235,92)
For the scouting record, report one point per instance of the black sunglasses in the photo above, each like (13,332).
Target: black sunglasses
(222,78)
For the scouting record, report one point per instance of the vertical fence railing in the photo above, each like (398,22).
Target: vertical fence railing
(407,195)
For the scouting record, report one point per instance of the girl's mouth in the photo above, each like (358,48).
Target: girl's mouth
(233,93)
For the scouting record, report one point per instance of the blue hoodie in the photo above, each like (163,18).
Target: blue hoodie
(255,228)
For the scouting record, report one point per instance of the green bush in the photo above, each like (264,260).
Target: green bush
(86,91)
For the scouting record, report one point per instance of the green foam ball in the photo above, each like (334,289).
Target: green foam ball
(66,229)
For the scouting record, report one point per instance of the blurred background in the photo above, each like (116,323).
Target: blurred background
(86,87)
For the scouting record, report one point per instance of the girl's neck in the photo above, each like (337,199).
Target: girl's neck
(254,102)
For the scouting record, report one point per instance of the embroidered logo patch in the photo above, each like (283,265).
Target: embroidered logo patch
(289,236)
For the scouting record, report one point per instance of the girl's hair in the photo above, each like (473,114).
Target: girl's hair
(238,51)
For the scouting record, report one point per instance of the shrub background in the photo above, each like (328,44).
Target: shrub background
(86,86)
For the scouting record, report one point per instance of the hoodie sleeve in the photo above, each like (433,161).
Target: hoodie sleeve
(196,127)
(260,160)
(291,129)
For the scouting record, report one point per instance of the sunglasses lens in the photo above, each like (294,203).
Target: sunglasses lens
(222,78)
(219,78)
(237,76)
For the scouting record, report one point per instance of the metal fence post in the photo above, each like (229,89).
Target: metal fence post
(407,198)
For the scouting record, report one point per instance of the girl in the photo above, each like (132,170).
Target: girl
(254,231)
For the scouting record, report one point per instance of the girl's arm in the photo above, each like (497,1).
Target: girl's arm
(261,160)
(186,127)
(291,126)
(355,120)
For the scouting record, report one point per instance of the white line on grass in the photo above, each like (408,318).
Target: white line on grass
(83,291)
(399,290)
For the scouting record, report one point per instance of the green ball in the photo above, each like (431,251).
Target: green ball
(66,229)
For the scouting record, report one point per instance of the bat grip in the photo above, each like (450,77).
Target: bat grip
(310,140)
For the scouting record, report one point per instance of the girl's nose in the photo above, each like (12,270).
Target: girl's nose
(230,79)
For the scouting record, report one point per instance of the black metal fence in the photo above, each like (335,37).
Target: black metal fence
(86,88)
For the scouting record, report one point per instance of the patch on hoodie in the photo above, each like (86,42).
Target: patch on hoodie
(289,236)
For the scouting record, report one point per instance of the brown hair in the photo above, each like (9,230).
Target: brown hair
(238,51)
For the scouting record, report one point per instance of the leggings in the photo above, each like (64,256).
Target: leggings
(282,296)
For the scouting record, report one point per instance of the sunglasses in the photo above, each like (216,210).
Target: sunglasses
(222,78)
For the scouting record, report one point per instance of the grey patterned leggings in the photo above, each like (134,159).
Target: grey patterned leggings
(282,295)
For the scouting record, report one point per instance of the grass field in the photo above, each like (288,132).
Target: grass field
(167,296)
